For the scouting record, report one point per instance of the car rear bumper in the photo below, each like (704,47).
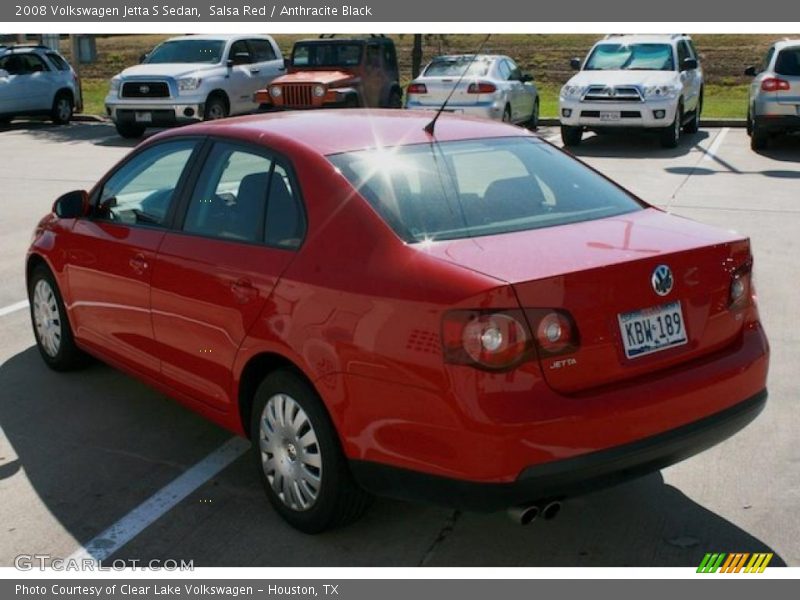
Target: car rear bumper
(594,115)
(778,123)
(489,109)
(563,478)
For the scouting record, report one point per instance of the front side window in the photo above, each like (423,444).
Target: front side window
(142,190)
(187,51)
(261,50)
(631,57)
(240,53)
(482,187)
(245,196)
(336,54)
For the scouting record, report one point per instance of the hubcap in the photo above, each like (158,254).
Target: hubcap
(64,109)
(290,453)
(47,319)
(216,112)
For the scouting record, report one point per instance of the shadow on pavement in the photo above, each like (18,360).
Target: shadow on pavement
(635,144)
(98,133)
(95,444)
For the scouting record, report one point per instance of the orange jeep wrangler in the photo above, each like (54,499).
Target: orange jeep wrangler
(330,72)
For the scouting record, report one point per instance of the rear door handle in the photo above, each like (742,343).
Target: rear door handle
(138,263)
(244,290)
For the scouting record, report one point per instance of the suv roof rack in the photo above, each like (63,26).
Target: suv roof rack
(330,36)
(671,35)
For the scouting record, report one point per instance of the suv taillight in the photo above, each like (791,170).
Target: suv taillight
(417,88)
(774,84)
(481,87)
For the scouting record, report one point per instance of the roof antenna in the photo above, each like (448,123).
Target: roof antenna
(429,127)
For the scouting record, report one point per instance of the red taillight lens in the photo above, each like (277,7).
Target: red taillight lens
(555,331)
(773,84)
(481,87)
(489,340)
(741,288)
(417,88)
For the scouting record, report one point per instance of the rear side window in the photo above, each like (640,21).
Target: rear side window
(57,61)
(479,187)
(246,196)
(788,62)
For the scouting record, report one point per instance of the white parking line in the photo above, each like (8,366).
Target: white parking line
(144,515)
(711,153)
(11,308)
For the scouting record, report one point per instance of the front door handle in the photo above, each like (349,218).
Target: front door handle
(255,71)
(138,264)
(244,290)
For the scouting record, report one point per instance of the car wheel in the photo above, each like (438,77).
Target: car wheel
(216,108)
(671,135)
(351,101)
(507,114)
(5,121)
(759,139)
(130,130)
(749,122)
(571,136)
(51,326)
(395,99)
(299,459)
(693,126)
(534,122)
(61,113)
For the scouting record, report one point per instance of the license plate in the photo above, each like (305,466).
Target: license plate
(143,117)
(610,115)
(652,329)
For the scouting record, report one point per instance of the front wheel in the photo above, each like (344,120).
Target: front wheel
(671,135)
(216,108)
(130,131)
(300,463)
(571,136)
(395,99)
(693,126)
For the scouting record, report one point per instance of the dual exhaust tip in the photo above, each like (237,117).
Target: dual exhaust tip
(527,513)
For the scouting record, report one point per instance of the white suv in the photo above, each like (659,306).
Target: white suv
(634,81)
(193,78)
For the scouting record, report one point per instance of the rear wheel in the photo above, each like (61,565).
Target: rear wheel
(395,99)
(571,136)
(351,101)
(534,121)
(671,135)
(51,326)
(300,462)
(61,113)
(130,130)
(759,138)
(507,114)
(749,122)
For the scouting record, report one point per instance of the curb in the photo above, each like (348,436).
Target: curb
(81,118)
(703,122)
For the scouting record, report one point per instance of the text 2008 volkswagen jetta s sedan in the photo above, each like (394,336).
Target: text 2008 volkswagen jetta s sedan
(469,317)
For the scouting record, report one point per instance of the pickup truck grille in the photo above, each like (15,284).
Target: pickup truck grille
(145,89)
(298,94)
(601,93)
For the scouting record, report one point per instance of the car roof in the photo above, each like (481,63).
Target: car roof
(332,131)
(787,44)
(664,38)
(469,57)
(222,37)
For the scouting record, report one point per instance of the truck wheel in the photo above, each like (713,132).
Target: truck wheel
(395,99)
(671,135)
(61,113)
(571,136)
(216,108)
(299,459)
(759,139)
(130,131)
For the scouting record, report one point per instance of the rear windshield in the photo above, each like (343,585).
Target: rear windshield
(631,57)
(187,51)
(457,67)
(788,62)
(481,187)
(326,55)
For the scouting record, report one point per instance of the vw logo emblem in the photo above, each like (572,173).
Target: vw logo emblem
(144,89)
(662,280)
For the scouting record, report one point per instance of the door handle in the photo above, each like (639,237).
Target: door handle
(138,263)
(254,71)
(244,290)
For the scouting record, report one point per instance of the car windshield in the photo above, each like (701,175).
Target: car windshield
(631,57)
(187,51)
(788,62)
(473,188)
(455,66)
(326,55)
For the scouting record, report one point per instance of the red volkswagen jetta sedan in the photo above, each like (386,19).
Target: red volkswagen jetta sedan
(470,317)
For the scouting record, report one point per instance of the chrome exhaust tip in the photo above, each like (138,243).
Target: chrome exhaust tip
(524,515)
(551,510)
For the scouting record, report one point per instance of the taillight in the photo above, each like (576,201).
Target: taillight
(741,288)
(488,340)
(417,88)
(555,331)
(774,84)
(481,87)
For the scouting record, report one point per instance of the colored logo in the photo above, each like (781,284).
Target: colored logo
(661,280)
(735,562)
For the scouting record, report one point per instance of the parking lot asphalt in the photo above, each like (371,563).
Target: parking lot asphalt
(80,451)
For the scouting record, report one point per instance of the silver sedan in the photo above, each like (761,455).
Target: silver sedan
(493,87)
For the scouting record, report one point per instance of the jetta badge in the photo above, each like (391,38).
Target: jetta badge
(662,280)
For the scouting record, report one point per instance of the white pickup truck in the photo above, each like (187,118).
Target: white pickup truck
(193,78)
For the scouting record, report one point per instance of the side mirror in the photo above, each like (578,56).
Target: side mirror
(287,62)
(689,64)
(750,71)
(575,63)
(143,57)
(72,205)
(3,73)
(526,77)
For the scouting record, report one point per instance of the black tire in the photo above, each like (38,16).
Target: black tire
(339,500)
(351,101)
(130,131)
(395,99)
(507,114)
(62,110)
(216,108)
(749,122)
(5,121)
(671,134)
(533,123)
(571,136)
(693,126)
(68,356)
(759,138)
